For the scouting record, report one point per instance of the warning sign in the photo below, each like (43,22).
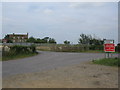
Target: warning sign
(109,47)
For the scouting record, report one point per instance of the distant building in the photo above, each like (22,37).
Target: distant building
(15,38)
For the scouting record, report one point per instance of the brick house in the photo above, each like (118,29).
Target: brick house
(15,38)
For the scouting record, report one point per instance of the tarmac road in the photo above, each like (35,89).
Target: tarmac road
(46,61)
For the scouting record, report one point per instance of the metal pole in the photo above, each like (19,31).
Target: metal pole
(105,55)
(111,55)
(108,55)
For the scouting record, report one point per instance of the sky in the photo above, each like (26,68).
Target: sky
(61,20)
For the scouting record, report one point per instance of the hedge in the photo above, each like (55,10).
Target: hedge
(17,49)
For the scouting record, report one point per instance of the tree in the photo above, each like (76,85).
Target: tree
(6,37)
(84,39)
(66,42)
(45,40)
(52,40)
(89,40)
(38,40)
(9,40)
(31,40)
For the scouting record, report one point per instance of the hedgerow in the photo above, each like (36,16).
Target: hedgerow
(18,50)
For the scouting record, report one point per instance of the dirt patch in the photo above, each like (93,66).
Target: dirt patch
(84,75)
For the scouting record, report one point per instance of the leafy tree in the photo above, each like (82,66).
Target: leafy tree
(66,42)
(52,40)
(31,40)
(45,40)
(8,39)
(84,39)
(38,40)
(89,40)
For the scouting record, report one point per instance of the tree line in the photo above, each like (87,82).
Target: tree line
(90,40)
(44,40)
(83,40)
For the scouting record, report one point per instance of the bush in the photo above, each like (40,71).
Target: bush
(108,61)
(18,51)
(96,47)
(22,49)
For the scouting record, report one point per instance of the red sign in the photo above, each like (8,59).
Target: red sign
(109,47)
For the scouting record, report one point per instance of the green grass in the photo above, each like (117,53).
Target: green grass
(108,62)
(19,56)
(76,51)
(94,51)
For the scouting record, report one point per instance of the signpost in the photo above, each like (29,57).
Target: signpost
(109,47)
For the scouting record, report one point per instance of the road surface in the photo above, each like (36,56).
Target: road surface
(46,61)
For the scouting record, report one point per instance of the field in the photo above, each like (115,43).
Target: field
(70,48)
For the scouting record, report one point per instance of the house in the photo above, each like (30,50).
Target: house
(15,38)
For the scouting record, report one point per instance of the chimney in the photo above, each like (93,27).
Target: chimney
(27,35)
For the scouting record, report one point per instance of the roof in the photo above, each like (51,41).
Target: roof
(17,34)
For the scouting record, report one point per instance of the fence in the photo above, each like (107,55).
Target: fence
(21,44)
(25,44)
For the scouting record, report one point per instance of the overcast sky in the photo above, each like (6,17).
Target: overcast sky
(62,21)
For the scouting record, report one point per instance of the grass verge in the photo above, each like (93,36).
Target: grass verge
(94,51)
(89,51)
(108,61)
(19,56)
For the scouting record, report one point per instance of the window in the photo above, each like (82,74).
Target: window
(22,37)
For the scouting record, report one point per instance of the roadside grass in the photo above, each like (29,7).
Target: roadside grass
(97,51)
(108,62)
(94,51)
(76,51)
(88,51)
(19,56)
